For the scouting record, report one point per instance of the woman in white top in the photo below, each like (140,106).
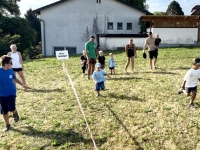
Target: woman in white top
(17,62)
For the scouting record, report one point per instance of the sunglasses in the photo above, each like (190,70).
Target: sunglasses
(10,63)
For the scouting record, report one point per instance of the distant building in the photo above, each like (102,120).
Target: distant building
(67,24)
(177,30)
(195,10)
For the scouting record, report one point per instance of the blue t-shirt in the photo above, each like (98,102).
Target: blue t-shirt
(111,62)
(7,86)
(99,76)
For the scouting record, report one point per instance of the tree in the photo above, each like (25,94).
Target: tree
(15,30)
(139,3)
(159,13)
(9,7)
(34,23)
(174,9)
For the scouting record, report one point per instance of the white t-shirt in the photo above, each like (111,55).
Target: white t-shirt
(15,60)
(191,77)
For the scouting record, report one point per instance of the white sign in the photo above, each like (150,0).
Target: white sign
(60,55)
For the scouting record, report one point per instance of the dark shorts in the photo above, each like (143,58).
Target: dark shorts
(100,86)
(131,53)
(7,104)
(153,54)
(190,89)
(17,69)
(92,61)
(111,68)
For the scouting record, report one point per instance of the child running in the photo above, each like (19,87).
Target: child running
(99,78)
(191,81)
(111,64)
(101,59)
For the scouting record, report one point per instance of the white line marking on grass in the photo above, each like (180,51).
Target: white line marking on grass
(77,98)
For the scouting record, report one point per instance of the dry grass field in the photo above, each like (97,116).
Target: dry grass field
(140,111)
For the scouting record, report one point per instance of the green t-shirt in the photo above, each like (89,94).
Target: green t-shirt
(90,47)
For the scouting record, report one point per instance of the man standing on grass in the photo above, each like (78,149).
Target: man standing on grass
(150,42)
(8,91)
(91,54)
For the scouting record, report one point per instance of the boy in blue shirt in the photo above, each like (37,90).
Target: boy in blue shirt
(8,91)
(99,78)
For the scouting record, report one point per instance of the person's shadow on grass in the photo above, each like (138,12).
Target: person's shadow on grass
(124,97)
(60,138)
(44,90)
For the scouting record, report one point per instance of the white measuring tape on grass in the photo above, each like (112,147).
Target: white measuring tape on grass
(77,98)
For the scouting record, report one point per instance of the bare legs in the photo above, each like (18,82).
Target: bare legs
(21,74)
(129,59)
(90,69)
(154,62)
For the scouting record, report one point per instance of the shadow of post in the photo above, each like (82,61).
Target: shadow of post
(125,128)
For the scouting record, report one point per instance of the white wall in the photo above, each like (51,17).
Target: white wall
(72,22)
(108,43)
(177,35)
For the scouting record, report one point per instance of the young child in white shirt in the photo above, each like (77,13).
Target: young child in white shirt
(190,82)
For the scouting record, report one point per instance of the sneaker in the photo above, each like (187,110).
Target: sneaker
(191,105)
(180,91)
(6,128)
(16,117)
(98,95)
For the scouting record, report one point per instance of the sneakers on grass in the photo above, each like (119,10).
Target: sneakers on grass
(180,91)
(191,105)
(6,128)
(16,117)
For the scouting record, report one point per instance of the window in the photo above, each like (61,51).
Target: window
(110,25)
(98,1)
(119,26)
(129,26)
(71,50)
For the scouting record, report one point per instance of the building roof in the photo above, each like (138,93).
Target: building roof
(37,11)
(181,17)
(195,7)
(197,12)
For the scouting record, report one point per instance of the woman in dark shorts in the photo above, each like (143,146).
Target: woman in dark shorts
(130,51)
(17,62)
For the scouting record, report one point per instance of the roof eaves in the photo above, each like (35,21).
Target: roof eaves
(135,7)
(37,11)
(196,12)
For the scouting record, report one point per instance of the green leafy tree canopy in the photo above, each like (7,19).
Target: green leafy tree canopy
(9,7)
(174,9)
(159,13)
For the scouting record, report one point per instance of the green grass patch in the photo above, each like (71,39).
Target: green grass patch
(136,111)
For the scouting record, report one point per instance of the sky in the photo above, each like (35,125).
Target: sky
(154,5)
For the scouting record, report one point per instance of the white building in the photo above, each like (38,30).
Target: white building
(67,24)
